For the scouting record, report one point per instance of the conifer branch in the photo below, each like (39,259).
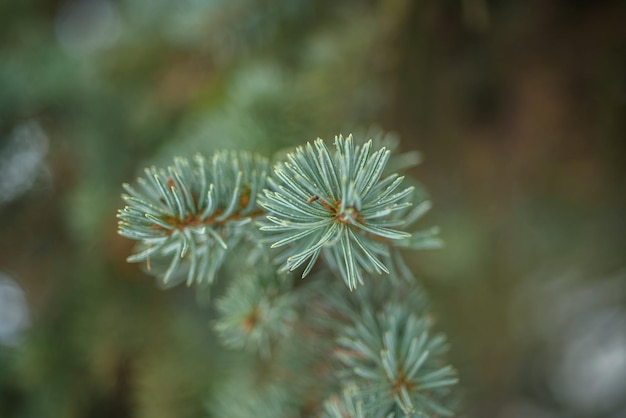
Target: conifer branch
(396,363)
(343,206)
(256,310)
(192,213)
(338,204)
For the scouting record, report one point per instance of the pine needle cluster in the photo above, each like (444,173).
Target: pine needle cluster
(340,212)
(338,204)
(396,362)
(192,213)
(256,310)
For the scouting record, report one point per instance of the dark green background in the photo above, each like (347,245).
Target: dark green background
(519,108)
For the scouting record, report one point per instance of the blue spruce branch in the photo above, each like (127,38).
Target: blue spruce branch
(257,310)
(396,363)
(339,204)
(192,213)
(347,206)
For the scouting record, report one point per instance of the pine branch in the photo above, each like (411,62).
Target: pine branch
(396,363)
(339,205)
(256,310)
(343,206)
(192,213)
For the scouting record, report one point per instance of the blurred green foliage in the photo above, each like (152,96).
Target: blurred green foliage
(518,107)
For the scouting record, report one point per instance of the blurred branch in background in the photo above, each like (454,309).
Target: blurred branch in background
(517,106)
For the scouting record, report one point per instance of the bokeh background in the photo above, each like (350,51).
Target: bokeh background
(518,107)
